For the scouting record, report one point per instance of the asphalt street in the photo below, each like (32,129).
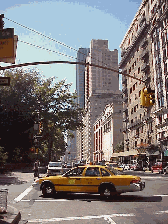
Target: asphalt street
(148,206)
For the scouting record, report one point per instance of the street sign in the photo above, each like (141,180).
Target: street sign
(7,43)
(7,48)
(11,59)
(4,81)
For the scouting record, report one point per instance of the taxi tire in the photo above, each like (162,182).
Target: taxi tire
(108,191)
(48,189)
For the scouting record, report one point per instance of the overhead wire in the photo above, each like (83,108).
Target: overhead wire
(58,42)
(43,48)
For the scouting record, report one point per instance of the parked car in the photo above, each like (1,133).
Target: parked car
(127,166)
(54,168)
(157,168)
(68,165)
(114,165)
(90,179)
(136,167)
(121,166)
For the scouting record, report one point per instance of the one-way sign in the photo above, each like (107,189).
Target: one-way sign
(4,81)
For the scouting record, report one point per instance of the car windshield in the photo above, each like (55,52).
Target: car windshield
(55,164)
(115,172)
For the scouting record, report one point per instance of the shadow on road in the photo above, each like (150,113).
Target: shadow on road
(8,180)
(121,198)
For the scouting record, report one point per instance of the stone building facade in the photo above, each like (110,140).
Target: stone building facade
(144,56)
(108,131)
(100,87)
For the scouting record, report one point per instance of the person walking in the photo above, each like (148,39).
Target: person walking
(36,168)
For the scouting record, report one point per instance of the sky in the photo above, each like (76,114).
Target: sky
(72,22)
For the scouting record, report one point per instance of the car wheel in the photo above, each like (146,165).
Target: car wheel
(108,191)
(48,189)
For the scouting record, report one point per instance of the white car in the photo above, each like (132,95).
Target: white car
(54,168)
(127,167)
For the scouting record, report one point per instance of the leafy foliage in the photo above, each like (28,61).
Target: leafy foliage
(3,156)
(31,98)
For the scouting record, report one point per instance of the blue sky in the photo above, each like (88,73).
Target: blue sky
(71,22)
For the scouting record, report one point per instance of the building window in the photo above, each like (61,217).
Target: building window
(142,129)
(133,87)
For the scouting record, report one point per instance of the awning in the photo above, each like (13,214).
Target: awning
(125,153)
(156,153)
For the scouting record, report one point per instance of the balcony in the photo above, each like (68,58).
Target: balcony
(145,67)
(136,39)
(142,19)
(144,43)
(125,90)
(144,54)
(123,52)
(125,99)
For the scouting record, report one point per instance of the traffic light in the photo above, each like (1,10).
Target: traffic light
(147,97)
(150,97)
(143,99)
(1,21)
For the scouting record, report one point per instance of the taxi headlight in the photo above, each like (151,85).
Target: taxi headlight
(37,181)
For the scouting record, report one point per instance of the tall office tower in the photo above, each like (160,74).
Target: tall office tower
(80,75)
(101,87)
(144,56)
(80,88)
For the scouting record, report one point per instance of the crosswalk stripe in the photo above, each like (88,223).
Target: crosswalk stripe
(22,195)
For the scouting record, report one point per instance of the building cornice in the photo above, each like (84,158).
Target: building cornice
(133,21)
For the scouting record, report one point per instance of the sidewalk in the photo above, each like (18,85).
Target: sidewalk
(12,216)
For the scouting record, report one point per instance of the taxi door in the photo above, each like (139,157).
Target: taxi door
(91,180)
(70,182)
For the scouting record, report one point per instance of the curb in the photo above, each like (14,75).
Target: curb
(12,216)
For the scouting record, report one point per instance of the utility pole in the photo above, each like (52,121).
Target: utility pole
(1,21)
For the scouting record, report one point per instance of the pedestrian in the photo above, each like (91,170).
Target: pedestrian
(36,168)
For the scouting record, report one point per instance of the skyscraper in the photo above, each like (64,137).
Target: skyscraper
(101,87)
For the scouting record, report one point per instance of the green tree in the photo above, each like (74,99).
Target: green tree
(31,98)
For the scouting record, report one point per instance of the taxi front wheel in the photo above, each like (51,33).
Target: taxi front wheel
(48,189)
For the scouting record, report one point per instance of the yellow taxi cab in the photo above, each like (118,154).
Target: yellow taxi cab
(90,179)
(114,166)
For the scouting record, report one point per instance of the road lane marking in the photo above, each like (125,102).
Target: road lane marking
(161,212)
(161,195)
(50,200)
(106,217)
(22,195)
